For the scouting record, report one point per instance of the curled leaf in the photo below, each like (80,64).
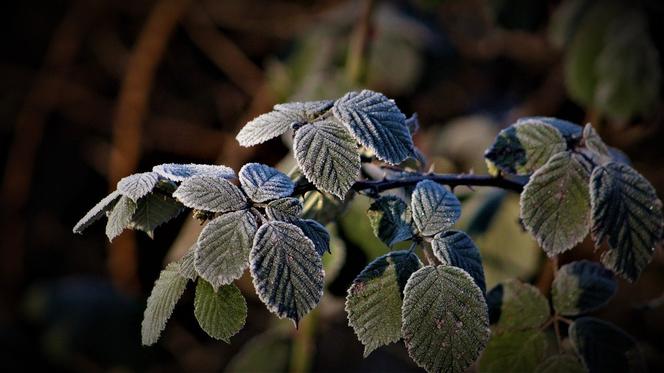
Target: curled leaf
(457,249)
(263,183)
(97,212)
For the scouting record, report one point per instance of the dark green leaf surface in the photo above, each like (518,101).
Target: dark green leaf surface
(166,291)
(222,313)
(455,248)
(154,210)
(263,183)
(514,305)
(210,194)
(391,219)
(581,287)
(284,209)
(445,320)
(434,208)
(97,212)
(138,185)
(120,217)
(514,352)
(563,363)
(316,232)
(628,215)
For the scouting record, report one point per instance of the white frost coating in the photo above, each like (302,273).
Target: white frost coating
(434,208)
(181,172)
(138,185)
(166,291)
(263,183)
(284,209)
(97,212)
(210,194)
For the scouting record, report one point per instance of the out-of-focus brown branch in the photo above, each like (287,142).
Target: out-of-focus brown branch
(358,48)
(128,119)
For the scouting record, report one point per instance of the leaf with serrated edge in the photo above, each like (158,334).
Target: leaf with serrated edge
(263,183)
(628,215)
(390,218)
(555,204)
(434,208)
(181,172)
(603,347)
(374,300)
(137,186)
(221,313)
(154,210)
(286,269)
(377,123)
(210,194)
(514,305)
(445,319)
(223,247)
(284,209)
(581,287)
(514,352)
(593,142)
(563,363)
(328,157)
(165,294)
(457,249)
(270,125)
(187,268)
(566,128)
(97,212)
(120,217)
(316,232)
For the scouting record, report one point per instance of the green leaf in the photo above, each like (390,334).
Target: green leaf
(377,123)
(563,363)
(210,194)
(628,215)
(390,218)
(263,183)
(566,128)
(455,248)
(154,210)
(187,268)
(514,351)
(434,208)
(284,209)
(275,123)
(182,172)
(286,269)
(374,300)
(266,352)
(555,204)
(316,232)
(166,291)
(328,157)
(222,313)
(604,347)
(138,185)
(223,247)
(445,320)
(97,212)
(593,142)
(514,305)
(120,217)
(581,287)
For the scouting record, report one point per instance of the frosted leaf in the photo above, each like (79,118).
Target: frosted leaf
(391,219)
(210,194)
(165,294)
(455,248)
(434,208)
(97,212)
(328,157)
(566,128)
(275,123)
(593,142)
(137,186)
(514,305)
(628,215)
(120,217)
(187,269)
(181,172)
(317,233)
(220,313)
(445,320)
(374,300)
(514,351)
(286,269)
(263,183)
(582,287)
(223,247)
(413,123)
(555,204)
(284,209)
(377,123)
(154,210)
(562,363)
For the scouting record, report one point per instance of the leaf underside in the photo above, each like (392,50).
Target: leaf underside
(263,183)
(581,287)
(120,217)
(457,249)
(97,212)
(154,210)
(222,313)
(210,194)
(166,291)
(434,208)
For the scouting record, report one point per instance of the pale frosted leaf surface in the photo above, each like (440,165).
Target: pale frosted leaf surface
(138,185)
(374,300)
(284,209)
(457,249)
(263,183)
(377,123)
(434,208)
(593,142)
(316,232)
(514,305)
(582,287)
(187,268)
(221,313)
(210,194)
(566,128)
(165,294)
(223,247)
(154,210)
(97,212)
(275,123)
(628,215)
(328,156)
(182,172)
(120,217)
(563,363)
(514,352)
(555,204)
(391,219)
(286,269)
(603,347)
(445,319)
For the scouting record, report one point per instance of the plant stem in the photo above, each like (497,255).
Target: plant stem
(302,350)
(357,59)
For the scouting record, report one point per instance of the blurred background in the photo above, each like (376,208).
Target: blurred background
(94,90)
